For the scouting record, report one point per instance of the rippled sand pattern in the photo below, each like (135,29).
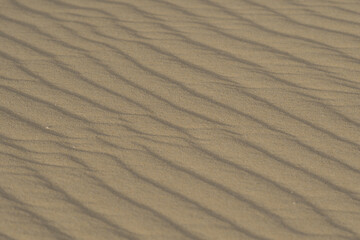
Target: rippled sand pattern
(179,119)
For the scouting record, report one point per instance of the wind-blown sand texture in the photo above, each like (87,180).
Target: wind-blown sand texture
(179,119)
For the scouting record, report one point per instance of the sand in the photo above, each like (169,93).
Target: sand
(179,119)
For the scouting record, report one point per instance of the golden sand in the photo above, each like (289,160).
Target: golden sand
(179,119)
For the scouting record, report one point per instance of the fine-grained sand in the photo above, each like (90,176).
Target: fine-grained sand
(179,119)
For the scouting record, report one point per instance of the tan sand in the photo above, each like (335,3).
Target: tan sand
(179,119)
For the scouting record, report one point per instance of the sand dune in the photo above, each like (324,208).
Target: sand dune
(179,119)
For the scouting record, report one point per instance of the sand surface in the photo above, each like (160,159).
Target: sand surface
(179,119)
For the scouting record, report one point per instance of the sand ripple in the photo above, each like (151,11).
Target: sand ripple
(179,119)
